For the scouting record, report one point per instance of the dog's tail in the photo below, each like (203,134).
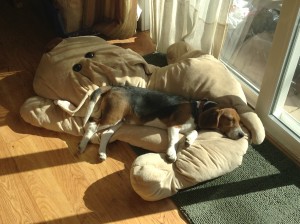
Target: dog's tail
(95,96)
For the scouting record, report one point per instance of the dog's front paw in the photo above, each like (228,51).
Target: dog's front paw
(171,157)
(102,156)
(190,138)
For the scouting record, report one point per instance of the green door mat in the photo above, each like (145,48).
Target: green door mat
(264,189)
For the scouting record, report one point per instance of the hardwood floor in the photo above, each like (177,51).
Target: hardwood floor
(41,181)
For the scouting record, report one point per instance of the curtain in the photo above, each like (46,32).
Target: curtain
(116,19)
(200,23)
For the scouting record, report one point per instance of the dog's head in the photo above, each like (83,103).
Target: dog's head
(226,120)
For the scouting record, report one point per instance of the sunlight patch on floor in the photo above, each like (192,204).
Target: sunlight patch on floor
(125,41)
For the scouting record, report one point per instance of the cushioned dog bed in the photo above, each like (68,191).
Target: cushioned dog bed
(74,67)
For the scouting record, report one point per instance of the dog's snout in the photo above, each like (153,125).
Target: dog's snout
(236,133)
(241,134)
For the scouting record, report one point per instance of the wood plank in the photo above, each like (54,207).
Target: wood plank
(35,168)
(16,201)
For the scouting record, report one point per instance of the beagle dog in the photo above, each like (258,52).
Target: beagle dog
(142,106)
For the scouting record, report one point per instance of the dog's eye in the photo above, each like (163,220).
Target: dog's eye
(229,120)
(89,55)
(77,67)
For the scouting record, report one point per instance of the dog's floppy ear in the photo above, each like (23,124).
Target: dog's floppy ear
(209,119)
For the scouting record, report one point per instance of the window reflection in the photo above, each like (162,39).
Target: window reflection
(292,103)
(251,26)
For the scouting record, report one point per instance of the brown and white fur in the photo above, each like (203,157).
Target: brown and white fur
(141,106)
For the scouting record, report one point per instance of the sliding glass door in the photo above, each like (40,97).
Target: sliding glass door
(262,48)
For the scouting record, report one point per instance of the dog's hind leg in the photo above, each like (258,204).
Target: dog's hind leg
(105,137)
(95,96)
(90,129)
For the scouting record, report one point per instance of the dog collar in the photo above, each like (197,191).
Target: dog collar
(200,106)
(205,104)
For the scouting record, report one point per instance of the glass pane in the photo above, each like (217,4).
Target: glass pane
(292,103)
(287,105)
(249,36)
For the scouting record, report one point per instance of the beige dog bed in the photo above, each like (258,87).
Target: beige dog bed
(69,72)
